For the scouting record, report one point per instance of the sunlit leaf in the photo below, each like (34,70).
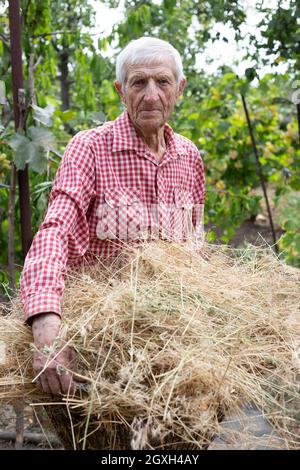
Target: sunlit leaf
(43,115)
(17,140)
(24,153)
(42,137)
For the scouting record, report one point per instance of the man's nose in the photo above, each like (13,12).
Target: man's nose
(151,92)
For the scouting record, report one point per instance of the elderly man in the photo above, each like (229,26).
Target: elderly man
(130,180)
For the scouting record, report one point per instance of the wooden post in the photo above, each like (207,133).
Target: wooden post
(23,180)
(19,110)
(261,176)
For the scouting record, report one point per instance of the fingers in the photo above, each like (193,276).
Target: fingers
(67,383)
(39,384)
(56,384)
(71,357)
(44,384)
(53,378)
(53,382)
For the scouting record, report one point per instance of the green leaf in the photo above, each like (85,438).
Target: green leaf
(17,140)
(244,87)
(67,115)
(98,117)
(38,160)
(23,154)
(169,5)
(251,74)
(42,187)
(41,203)
(211,236)
(42,137)
(43,115)
(33,154)
(297,243)
(193,116)
(223,126)
(290,224)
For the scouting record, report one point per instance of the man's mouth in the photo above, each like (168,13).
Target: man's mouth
(151,111)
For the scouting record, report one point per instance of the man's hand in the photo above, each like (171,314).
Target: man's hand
(54,379)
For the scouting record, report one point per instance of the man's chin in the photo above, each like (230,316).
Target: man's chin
(150,123)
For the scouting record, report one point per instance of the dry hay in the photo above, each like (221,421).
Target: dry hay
(167,344)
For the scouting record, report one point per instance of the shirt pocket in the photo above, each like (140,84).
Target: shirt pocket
(119,197)
(183,199)
(182,225)
(120,215)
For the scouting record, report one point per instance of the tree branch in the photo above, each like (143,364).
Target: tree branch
(74,31)
(31,69)
(32,437)
(53,33)
(11,227)
(54,46)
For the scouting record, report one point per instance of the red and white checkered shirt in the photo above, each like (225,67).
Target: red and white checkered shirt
(110,191)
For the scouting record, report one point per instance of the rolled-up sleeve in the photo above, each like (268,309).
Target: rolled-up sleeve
(63,233)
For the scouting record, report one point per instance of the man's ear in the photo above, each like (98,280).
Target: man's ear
(118,87)
(181,87)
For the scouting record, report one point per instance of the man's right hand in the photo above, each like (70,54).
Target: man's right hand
(54,379)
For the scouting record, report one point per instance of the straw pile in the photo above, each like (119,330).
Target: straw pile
(167,344)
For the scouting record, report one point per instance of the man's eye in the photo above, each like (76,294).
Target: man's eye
(163,81)
(139,82)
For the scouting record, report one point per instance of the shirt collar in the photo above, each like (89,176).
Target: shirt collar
(125,137)
(174,146)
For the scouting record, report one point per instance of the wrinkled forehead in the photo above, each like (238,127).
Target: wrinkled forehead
(151,68)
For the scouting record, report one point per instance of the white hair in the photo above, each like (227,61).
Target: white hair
(147,50)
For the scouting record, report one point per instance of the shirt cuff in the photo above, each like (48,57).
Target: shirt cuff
(41,303)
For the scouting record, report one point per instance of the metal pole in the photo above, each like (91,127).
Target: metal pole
(261,176)
(19,109)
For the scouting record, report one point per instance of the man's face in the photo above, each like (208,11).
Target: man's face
(150,93)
